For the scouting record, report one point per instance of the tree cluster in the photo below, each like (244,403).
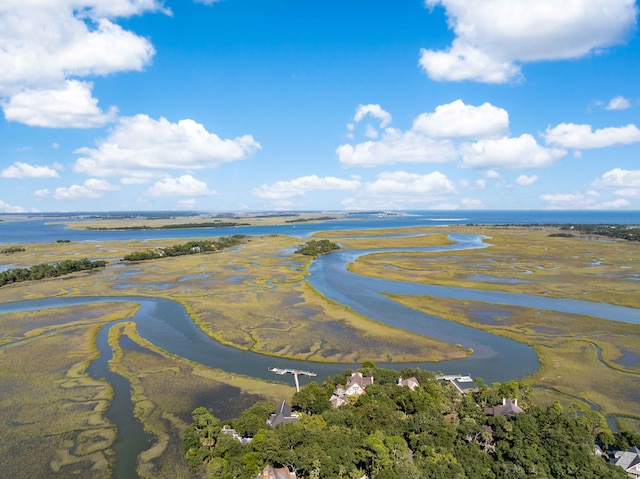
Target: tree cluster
(178,226)
(394,432)
(629,233)
(12,249)
(191,247)
(317,247)
(45,270)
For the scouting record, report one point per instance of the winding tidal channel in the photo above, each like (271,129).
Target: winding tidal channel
(166,324)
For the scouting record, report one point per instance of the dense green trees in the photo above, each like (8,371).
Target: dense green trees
(191,247)
(45,270)
(393,432)
(317,247)
(12,249)
(629,233)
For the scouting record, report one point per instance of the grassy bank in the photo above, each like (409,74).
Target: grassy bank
(165,389)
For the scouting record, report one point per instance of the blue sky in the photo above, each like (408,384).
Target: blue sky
(246,105)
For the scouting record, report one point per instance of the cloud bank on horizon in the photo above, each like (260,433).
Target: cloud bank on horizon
(226,106)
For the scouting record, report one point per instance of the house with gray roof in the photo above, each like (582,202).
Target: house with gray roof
(270,472)
(282,415)
(508,408)
(357,383)
(412,383)
(628,460)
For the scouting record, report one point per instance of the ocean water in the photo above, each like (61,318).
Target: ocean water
(40,230)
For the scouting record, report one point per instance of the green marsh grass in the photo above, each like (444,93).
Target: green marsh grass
(165,389)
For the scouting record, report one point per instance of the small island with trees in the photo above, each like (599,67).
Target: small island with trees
(191,247)
(317,247)
(46,270)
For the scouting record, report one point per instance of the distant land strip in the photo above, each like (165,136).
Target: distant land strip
(216,224)
(625,232)
(306,220)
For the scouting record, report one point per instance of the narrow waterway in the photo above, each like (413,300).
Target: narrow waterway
(166,324)
(131,439)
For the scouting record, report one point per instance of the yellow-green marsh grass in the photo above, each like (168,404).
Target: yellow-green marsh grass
(160,222)
(255,297)
(52,412)
(371,239)
(524,260)
(628,424)
(23,325)
(567,346)
(165,389)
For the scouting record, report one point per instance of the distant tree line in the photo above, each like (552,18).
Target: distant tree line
(629,233)
(191,247)
(12,249)
(561,235)
(215,224)
(45,270)
(393,432)
(317,247)
(306,220)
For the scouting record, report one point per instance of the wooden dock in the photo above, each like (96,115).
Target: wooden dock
(295,372)
(455,379)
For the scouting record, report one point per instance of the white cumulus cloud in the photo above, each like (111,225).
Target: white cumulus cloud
(618,103)
(524,180)
(375,111)
(432,137)
(186,185)
(91,189)
(457,120)
(577,201)
(619,178)
(571,135)
(45,47)
(300,186)
(509,153)
(493,38)
(141,147)
(25,170)
(7,208)
(71,106)
(402,183)
(396,146)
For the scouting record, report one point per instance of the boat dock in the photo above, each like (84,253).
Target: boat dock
(295,372)
(455,379)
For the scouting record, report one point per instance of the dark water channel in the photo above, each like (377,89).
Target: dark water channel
(132,438)
(166,324)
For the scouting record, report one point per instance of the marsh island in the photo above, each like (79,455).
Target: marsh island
(200,330)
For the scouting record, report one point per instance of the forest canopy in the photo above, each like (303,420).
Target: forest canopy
(46,270)
(317,247)
(191,247)
(392,431)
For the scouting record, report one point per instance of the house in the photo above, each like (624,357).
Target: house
(234,434)
(270,472)
(412,383)
(338,400)
(356,384)
(628,460)
(508,408)
(282,415)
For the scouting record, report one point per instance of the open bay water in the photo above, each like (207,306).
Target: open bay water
(43,229)
(165,323)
